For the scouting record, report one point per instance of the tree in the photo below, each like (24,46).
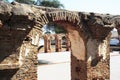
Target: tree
(52,26)
(53,3)
(26,1)
(22,1)
(6,0)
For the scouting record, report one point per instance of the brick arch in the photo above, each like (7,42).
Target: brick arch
(56,16)
(71,23)
(64,16)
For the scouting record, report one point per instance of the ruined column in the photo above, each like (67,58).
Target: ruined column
(58,44)
(47,43)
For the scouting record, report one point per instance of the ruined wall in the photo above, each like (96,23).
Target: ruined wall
(20,53)
(18,43)
(20,31)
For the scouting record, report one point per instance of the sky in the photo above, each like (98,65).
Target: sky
(97,6)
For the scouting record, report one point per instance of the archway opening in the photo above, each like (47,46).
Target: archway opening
(114,41)
(114,54)
(54,56)
(53,37)
(75,45)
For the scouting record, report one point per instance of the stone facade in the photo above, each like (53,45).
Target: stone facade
(20,31)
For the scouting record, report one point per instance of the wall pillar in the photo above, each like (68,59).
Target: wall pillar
(78,52)
(28,69)
(58,44)
(47,43)
(28,57)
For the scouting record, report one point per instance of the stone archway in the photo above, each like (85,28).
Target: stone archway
(69,20)
(71,23)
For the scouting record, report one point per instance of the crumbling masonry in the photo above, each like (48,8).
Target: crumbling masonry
(20,31)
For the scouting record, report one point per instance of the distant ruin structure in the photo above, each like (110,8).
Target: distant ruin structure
(21,29)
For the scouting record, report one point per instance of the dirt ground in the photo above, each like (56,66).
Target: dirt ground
(57,66)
